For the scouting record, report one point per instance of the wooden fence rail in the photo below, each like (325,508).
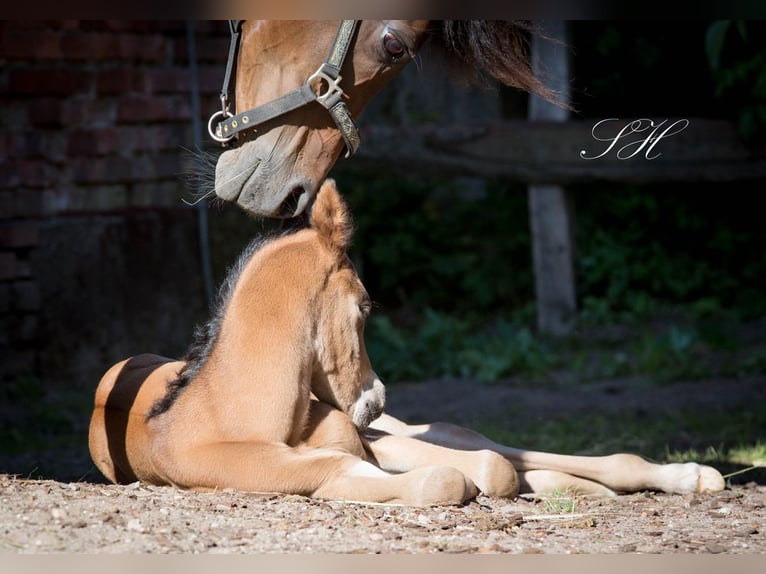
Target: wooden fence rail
(550,152)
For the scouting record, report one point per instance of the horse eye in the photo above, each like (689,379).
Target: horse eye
(393,45)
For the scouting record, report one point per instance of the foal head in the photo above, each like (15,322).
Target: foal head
(297,311)
(342,375)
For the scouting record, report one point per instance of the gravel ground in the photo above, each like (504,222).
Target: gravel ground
(86,515)
(49,516)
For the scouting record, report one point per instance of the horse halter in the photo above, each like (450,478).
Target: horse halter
(223,130)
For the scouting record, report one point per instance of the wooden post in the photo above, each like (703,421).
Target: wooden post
(550,215)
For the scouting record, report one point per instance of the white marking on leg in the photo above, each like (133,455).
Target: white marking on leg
(365,469)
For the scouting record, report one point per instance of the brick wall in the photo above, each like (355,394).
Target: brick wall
(93,117)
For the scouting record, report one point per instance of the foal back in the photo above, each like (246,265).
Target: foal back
(118,437)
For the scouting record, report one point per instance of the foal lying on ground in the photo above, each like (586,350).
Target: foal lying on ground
(277,394)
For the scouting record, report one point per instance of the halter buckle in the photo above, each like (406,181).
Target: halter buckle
(334,91)
(216,133)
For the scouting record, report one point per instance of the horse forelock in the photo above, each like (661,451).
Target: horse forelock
(331,218)
(497,48)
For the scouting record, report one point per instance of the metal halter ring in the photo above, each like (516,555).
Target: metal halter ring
(216,134)
(332,86)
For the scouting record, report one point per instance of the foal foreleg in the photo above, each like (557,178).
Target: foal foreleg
(618,472)
(489,471)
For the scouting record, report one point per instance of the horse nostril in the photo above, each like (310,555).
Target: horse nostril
(294,203)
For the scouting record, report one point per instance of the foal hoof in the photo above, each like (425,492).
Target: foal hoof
(442,485)
(710,480)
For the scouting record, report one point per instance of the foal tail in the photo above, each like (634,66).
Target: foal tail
(331,218)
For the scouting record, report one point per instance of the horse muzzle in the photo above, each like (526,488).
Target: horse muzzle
(257,186)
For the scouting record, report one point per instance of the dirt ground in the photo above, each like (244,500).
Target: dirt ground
(91,516)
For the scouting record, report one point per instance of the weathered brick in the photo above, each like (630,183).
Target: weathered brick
(211,80)
(30,25)
(120,81)
(7,207)
(6,369)
(181,108)
(93,142)
(48,81)
(108,25)
(89,46)
(46,112)
(7,265)
(5,292)
(88,112)
(23,45)
(18,234)
(139,48)
(26,328)
(93,198)
(161,137)
(23,269)
(36,173)
(9,175)
(25,296)
(157,194)
(209,49)
(27,203)
(168,165)
(68,24)
(112,198)
(46,144)
(13,115)
(108,169)
(169,80)
(144,109)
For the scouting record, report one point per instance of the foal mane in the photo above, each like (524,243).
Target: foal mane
(206,334)
(329,217)
(495,48)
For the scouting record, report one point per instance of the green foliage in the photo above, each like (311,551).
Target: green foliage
(736,52)
(456,246)
(639,248)
(446,346)
(449,269)
(43,422)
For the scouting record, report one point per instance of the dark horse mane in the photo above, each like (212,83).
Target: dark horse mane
(497,49)
(206,334)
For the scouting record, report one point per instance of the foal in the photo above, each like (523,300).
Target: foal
(275,388)
(278,395)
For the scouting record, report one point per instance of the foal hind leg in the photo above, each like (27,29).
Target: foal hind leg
(312,472)
(618,472)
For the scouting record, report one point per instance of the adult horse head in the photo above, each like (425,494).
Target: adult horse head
(283,66)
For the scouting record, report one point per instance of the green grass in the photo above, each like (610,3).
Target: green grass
(559,502)
(31,419)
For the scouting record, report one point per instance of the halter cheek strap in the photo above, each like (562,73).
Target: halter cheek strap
(223,126)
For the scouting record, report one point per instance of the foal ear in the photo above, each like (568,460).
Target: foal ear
(330,217)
